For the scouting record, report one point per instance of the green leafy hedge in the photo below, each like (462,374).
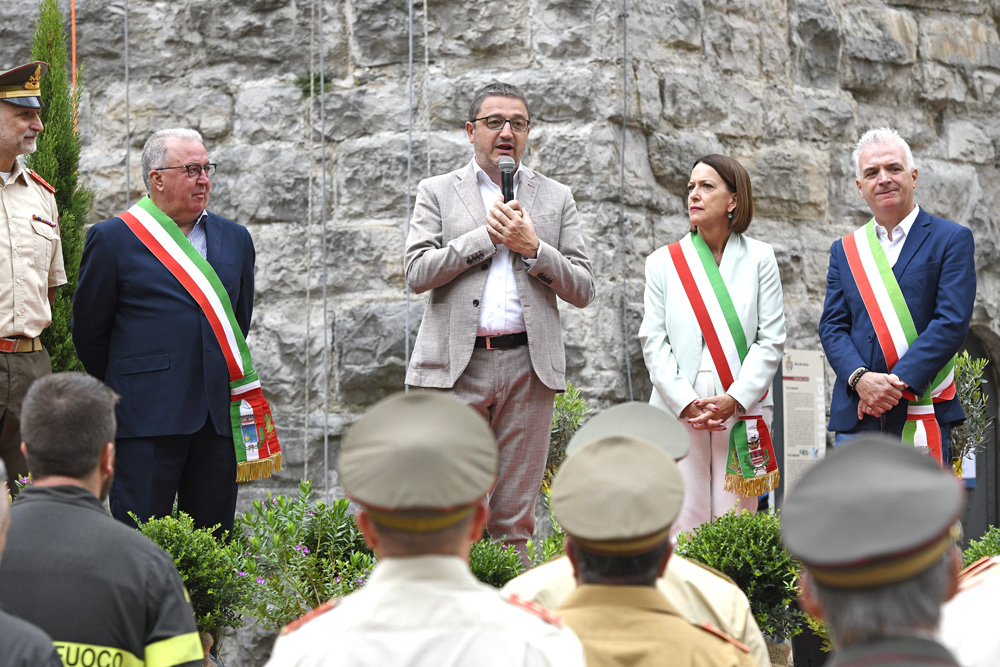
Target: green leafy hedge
(220,591)
(747,548)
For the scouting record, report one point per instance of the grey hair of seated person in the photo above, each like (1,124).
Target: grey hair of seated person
(900,608)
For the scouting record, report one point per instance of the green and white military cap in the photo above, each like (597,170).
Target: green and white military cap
(873,512)
(618,496)
(419,462)
(638,420)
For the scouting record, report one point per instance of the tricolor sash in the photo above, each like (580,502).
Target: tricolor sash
(896,332)
(258,453)
(752,469)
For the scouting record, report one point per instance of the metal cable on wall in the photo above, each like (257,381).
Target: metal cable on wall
(128,125)
(323,255)
(309,232)
(409,179)
(621,216)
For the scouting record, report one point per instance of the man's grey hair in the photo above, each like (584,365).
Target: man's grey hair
(881,135)
(154,153)
(66,420)
(857,615)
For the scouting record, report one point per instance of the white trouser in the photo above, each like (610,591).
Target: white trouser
(704,470)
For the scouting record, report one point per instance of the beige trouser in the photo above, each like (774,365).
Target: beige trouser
(502,387)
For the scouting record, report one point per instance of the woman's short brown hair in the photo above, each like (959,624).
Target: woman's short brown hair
(738,181)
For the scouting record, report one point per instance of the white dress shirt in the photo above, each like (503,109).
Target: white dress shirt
(500,308)
(197,236)
(893,247)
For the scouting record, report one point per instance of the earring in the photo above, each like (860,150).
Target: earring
(730,215)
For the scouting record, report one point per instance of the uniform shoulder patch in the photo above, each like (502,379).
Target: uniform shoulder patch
(45,184)
(983,569)
(536,609)
(708,627)
(315,613)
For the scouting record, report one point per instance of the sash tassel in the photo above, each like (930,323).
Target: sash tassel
(248,471)
(753,486)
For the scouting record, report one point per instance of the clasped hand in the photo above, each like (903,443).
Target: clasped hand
(509,224)
(878,393)
(711,413)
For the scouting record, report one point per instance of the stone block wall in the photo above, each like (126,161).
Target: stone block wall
(785,86)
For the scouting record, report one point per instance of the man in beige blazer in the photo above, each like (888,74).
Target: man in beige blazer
(490,333)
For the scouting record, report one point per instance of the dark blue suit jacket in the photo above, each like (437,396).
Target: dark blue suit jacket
(936,272)
(136,328)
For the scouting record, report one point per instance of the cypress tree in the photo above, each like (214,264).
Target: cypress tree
(57,160)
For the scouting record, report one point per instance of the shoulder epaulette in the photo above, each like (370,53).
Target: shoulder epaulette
(708,627)
(302,620)
(983,569)
(45,184)
(536,609)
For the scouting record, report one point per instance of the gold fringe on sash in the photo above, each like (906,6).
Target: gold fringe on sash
(247,471)
(753,487)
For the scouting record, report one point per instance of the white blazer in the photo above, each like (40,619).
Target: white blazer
(672,340)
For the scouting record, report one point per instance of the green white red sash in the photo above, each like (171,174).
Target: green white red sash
(752,469)
(258,453)
(896,332)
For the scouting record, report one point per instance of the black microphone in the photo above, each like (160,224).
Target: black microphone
(507,167)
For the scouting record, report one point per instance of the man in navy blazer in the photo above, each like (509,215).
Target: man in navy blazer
(136,328)
(933,260)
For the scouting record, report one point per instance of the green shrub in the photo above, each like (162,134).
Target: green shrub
(300,553)
(568,414)
(974,433)
(747,548)
(552,547)
(220,592)
(57,160)
(494,563)
(987,545)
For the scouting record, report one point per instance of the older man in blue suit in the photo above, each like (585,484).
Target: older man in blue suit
(139,330)
(888,351)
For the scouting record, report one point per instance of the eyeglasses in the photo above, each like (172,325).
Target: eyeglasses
(496,123)
(194,170)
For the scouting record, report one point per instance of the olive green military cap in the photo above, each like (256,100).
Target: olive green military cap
(873,512)
(419,461)
(638,420)
(618,496)
(20,86)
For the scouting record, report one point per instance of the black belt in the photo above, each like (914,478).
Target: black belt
(505,342)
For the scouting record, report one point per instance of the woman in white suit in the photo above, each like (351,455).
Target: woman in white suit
(712,336)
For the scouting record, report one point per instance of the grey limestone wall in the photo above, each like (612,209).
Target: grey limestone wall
(785,86)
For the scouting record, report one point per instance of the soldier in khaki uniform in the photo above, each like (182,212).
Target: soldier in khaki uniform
(698,593)
(875,525)
(31,259)
(619,544)
(420,465)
